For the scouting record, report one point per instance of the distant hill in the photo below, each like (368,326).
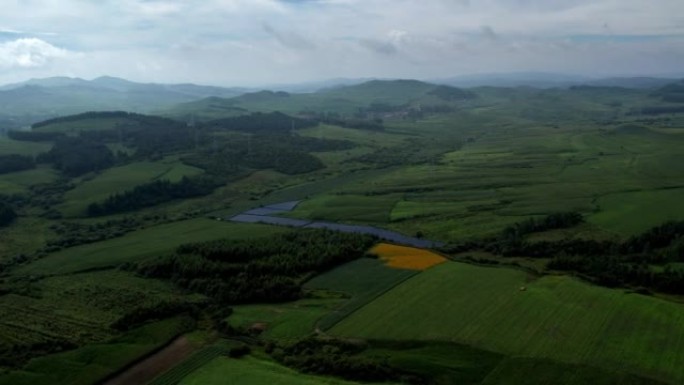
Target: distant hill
(342,100)
(552,80)
(37,99)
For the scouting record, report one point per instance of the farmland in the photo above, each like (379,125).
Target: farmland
(402,257)
(149,242)
(392,155)
(554,317)
(250,371)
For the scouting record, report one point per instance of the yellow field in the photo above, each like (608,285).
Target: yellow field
(402,257)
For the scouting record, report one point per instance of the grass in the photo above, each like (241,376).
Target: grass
(652,207)
(122,178)
(350,208)
(289,320)
(362,280)
(556,317)
(19,182)
(92,363)
(441,362)
(526,371)
(94,124)
(251,370)
(10,146)
(142,244)
(194,362)
(78,308)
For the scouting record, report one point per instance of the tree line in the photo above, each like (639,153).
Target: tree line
(256,270)
(644,260)
(154,193)
(16,162)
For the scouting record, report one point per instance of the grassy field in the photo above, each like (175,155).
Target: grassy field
(352,208)
(78,308)
(527,371)
(140,244)
(19,182)
(94,124)
(253,371)
(289,320)
(9,146)
(92,363)
(555,317)
(119,179)
(651,207)
(362,281)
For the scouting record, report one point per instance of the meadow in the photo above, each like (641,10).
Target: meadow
(119,179)
(141,244)
(253,371)
(93,363)
(462,173)
(361,280)
(553,317)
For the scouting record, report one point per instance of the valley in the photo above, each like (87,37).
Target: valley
(387,232)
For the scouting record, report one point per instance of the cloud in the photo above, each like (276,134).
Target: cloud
(245,42)
(288,38)
(28,53)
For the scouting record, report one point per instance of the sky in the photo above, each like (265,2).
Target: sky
(258,42)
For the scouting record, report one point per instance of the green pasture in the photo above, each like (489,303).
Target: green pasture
(289,320)
(78,308)
(360,137)
(20,181)
(529,371)
(93,124)
(92,363)
(355,208)
(9,146)
(631,213)
(554,317)
(142,244)
(253,371)
(441,362)
(361,281)
(120,179)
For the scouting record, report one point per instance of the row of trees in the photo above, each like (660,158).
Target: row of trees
(154,193)
(75,156)
(15,162)
(256,270)
(7,214)
(339,358)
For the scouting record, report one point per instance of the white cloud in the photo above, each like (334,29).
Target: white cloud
(257,41)
(28,53)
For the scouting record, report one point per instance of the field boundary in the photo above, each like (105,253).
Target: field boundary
(336,316)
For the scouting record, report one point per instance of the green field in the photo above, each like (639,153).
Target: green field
(289,320)
(253,371)
(651,207)
(526,371)
(555,317)
(354,208)
(141,244)
(361,280)
(19,182)
(89,124)
(93,363)
(10,146)
(123,178)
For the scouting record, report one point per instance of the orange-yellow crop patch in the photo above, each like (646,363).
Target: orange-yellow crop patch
(403,257)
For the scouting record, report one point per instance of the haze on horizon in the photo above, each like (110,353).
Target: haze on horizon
(256,42)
